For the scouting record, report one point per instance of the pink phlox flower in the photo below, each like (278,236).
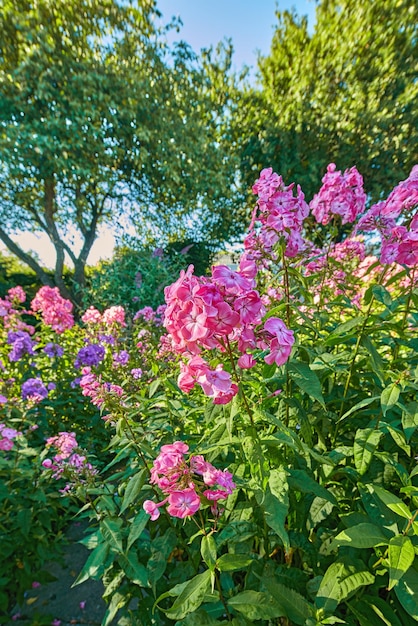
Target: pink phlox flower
(403,197)
(247,266)
(246,361)
(233,282)
(276,327)
(153,508)
(247,340)
(192,322)
(9,433)
(250,307)
(214,381)
(91,316)
(266,184)
(64,442)
(408,250)
(114,315)
(224,397)
(56,311)
(17,294)
(279,353)
(340,194)
(183,503)
(222,319)
(6,444)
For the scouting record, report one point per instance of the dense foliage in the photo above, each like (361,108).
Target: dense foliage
(342,90)
(98,119)
(260,466)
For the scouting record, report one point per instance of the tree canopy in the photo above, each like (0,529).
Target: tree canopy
(98,117)
(345,93)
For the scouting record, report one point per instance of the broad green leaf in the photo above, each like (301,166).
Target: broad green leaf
(296,608)
(407,592)
(232,562)
(342,329)
(191,597)
(135,571)
(410,419)
(153,387)
(94,564)
(401,556)
(133,489)
(306,380)
(276,504)
(319,510)
(373,611)
(137,526)
(392,502)
(358,406)
(112,533)
(255,605)
(389,397)
(300,480)
(361,536)
(340,580)
(399,438)
(208,551)
(161,550)
(382,295)
(365,443)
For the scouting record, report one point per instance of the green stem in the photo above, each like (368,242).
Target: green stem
(288,385)
(356,351)
(228,348)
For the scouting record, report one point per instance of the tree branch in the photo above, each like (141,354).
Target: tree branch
(26,258)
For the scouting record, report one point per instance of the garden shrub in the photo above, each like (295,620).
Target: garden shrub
(264,465)
(261,430)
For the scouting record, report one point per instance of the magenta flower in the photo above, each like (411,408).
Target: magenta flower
(183,503)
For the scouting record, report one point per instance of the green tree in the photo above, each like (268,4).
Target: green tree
(97,118)
(345,93)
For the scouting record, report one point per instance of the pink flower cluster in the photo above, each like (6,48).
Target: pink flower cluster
(399,241)
(206,313)
(55,310)
(10,314)
(186,483)
(67,461)
(98,391)
(7,435)
(111,316)
(148,314)
(281,215)
(340,194)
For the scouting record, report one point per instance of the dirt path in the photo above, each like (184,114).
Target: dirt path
(57,603)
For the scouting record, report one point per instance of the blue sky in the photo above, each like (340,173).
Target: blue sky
(249,23)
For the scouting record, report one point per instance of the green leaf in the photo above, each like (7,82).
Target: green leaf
(389,397)
(301,481)
(133,489)
(137,527)
(358,406)
(191,597)
(399,438)
(401,556)
(306,380)
(153,387)
(373,611)
(208,551)
(94,564)
(256,605)
(112,533)
(407,592)
(342,329)
(276,504)
(392,502)
(365,444)
(341,579)
(135,571)
(382,295)
(296,608)
(361,536)
(232,562)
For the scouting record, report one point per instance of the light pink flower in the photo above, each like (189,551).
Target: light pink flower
(183,503)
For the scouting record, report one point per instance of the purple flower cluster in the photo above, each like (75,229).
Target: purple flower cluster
(91,355)
(53,350)
(120,358)
(34,389)
(21,343)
